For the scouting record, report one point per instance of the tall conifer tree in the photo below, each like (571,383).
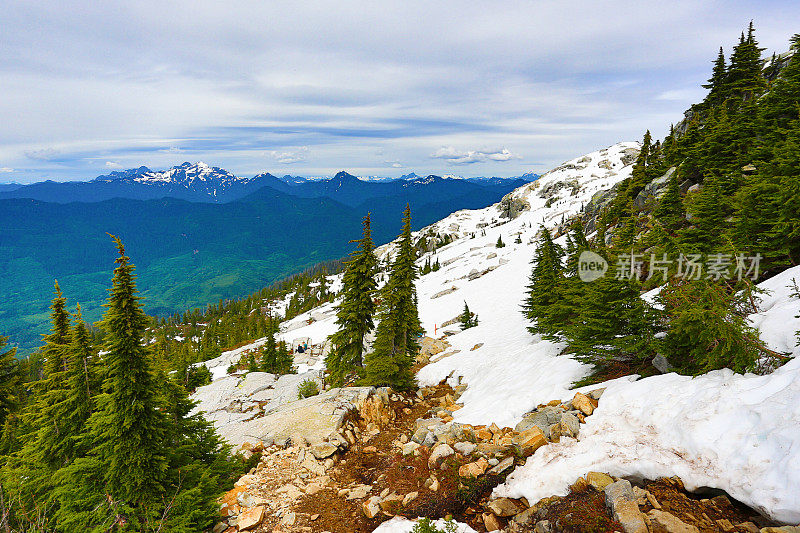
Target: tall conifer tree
(396,342)
(354,314)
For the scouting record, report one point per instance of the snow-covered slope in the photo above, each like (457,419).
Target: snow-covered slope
(734,432)
(737,433)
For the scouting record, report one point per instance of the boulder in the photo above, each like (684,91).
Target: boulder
(570,425)
(465,448)
(323,450)
(621,500)
(504,507)
(491,522)
(474,469)
(582,403)
(664,522)
(502,466)
(251,518)
(598,480)
(438,454)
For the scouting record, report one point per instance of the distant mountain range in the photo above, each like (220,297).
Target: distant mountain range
(197,233)
(199,182)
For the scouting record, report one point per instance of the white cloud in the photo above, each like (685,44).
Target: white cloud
(459,157)
(6,169)
(394,164)
(290,157)
(171,150)
(43,154)
(113,164)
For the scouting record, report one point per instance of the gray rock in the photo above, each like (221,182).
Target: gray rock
(596,394)
(542,419)
(570,425)
(502,466)
(661,364)
(323,450)
(618,491)
(439,453)
(465,448)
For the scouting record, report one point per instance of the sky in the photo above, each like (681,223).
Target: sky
(375,88)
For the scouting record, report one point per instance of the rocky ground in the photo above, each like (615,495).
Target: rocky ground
(402,454)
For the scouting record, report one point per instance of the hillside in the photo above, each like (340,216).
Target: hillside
(194,253)
(506,372)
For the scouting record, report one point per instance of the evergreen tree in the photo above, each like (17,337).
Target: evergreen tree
(708,329)
(354,314)
(544,280)
(122,479)
(716,84)
(396,342)
(283,359)
(743,78)
(614,326)
(9,381)
(82,383)
(269,353)
(708,213)
(670,211)
(499,243)
(467,318)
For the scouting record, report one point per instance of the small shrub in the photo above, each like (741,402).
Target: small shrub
(197,377)
(307,389)
(424,525)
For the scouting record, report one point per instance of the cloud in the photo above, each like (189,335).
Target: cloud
(290,157)
(113,164)
(6,169)
(171,150)
(394,164)
(43,154)
(458,157)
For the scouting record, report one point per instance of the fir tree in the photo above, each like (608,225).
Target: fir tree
(614,326)
(707,217)
(544,280)
(708,329)
(716,84)
(396,342)
(354,314)
(283,359)
(670,211)
(9,381)
(467,318)
(499,243)
(743,78)
(122,478)
(82,384)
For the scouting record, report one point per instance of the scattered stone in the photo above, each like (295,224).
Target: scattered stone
(542,526)
(410,448)
(289,519)
(479,345)
(599,480)
(504,507)
(583,403)
(250,518)
(474,469)
(622,502)
(491,522)
(371,507)
(725,525)
(502,466)
(663,522)
(781,529)
(748,526)
(411,496)
(570,425)
(358,492)
(439,453)
(314,517)
(465,448)
(323,450)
